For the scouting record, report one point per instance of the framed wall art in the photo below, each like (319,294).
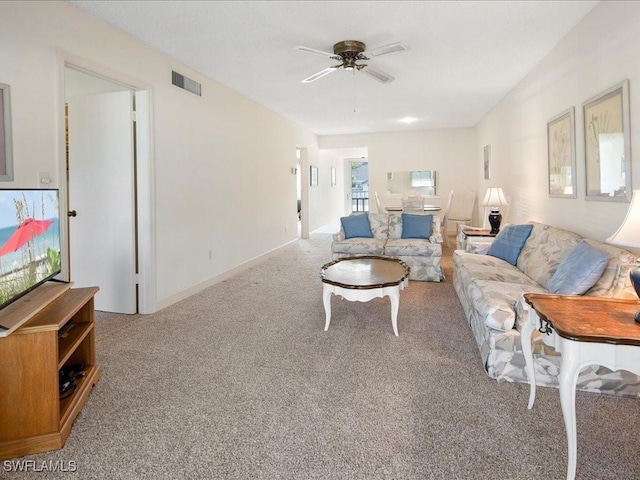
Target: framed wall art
(6,157)
(487,162)
(607,146)
(313,176)
(561,154)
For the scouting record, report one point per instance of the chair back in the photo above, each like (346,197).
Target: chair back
(460,206)
(412,204)
(375,194)
(459,210)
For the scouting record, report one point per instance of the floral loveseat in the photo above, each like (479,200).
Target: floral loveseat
(421,254)
(490,291)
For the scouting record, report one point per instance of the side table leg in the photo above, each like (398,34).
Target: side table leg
(525,337)
(326,300)
(394,297)
(568,377)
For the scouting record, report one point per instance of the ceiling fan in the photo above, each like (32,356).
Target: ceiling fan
(350,52)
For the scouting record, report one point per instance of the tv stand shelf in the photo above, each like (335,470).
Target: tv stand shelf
(33,418)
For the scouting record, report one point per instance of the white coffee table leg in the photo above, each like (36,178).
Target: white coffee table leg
(394,297)
(326,300)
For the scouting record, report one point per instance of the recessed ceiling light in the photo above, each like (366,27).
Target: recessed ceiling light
(408,120)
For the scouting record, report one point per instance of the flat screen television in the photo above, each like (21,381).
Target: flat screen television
(29,241)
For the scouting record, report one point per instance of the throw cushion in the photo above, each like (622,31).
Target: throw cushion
(416,226)
(579,270)
(509,242)
(356,226)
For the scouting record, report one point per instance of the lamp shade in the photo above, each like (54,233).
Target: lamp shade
(494,198)
(628,235)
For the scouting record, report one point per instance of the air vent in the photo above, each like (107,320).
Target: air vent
(186,83)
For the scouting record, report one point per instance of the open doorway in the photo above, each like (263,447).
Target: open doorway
(299,192)
(101,194)
(359,170)
(106,188)
(302,186)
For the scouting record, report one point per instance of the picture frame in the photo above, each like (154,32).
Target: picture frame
(6,149)
(561,155)
(487,162)
(333,176)
(313,176)
(607,146)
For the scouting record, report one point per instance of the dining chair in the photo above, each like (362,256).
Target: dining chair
(459,211)
(375,194)
(412,204)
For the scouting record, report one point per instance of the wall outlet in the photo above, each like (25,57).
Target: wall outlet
(286,229)
(210,254)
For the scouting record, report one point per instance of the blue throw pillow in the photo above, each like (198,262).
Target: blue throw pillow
(579,270)
(416,226)
(509,242)
(356,226)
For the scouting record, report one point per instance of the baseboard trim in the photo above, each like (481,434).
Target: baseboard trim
(166,302)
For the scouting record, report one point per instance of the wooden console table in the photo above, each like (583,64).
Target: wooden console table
(33,417)
(586,331)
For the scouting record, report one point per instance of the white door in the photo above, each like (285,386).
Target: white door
(102,194)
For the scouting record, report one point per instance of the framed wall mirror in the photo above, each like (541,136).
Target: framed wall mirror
(422,181)
(6,156)
(607,145)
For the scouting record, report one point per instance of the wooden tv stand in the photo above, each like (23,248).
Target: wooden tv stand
(33,418)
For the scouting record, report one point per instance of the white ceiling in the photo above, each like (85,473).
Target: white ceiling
(463,57)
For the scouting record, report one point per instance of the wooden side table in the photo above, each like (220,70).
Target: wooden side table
(587,331)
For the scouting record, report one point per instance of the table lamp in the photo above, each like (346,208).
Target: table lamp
(494,199)
(628,235)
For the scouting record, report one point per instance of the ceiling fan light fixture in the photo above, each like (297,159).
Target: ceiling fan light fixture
(350,52)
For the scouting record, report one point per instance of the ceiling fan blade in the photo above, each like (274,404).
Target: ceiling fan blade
(379,75)
(314,51)
(320,74)
(385,49)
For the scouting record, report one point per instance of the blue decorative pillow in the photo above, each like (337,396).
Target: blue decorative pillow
(356,226)
(579,270)
(416,226)
(509,242)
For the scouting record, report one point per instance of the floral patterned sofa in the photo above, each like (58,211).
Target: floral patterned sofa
(490,291)
(422,255)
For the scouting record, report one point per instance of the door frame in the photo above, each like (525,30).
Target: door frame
(304,192)
(145,208)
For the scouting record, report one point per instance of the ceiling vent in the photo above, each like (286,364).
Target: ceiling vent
(186,83)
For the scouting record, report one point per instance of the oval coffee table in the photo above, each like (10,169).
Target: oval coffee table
(360,279)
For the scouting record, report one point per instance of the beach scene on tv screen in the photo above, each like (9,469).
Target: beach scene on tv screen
(29,240)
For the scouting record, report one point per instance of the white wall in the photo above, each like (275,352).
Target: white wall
(222,162)
(326,200)
(452,152)
(599,53)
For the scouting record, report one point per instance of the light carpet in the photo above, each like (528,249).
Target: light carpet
(241,382)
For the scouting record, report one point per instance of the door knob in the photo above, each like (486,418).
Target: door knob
(72,213)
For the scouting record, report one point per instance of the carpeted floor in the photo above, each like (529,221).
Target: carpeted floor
(241,382)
